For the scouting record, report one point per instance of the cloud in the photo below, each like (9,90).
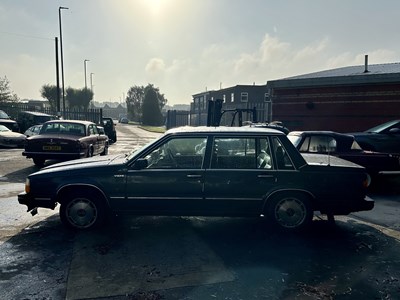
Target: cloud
(155,66)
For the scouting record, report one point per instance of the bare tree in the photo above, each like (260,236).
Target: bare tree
(6,94)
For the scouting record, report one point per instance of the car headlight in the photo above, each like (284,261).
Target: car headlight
(27,185)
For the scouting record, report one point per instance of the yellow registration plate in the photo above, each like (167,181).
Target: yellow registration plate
(52,148)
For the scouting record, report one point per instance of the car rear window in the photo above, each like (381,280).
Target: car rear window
(64,128)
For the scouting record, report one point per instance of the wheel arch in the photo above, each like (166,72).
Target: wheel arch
(84,187)
(276,193)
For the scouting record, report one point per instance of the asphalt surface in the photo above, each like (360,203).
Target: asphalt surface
(193,258)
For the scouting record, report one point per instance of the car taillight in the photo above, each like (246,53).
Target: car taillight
(367,181)
(27,185)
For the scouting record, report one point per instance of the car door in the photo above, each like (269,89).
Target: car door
(172,182)
(240,174)
(94,139)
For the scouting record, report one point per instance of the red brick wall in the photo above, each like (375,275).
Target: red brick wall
(342,109)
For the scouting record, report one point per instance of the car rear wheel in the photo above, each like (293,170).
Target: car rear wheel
(38,162)
(290,211)
(105,151)
(89,152)
(82,211)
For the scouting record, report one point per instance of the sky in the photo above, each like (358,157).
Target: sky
(185,47)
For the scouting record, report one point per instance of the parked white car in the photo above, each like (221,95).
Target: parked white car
(11,139)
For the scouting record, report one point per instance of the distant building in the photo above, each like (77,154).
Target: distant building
(112,110)
(239,96)
(36,104)
(346,99)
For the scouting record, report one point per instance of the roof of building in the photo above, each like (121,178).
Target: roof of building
(378,73)
(231,88)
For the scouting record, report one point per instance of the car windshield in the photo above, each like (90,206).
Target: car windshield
(381,127)
(136,150)
(3,115)
(4,128)
(63,128)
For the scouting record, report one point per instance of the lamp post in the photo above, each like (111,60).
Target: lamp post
(91,88)
(57,80)
(91,82)
(84,66)
(62,59)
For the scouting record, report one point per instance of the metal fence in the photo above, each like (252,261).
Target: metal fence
(94,114)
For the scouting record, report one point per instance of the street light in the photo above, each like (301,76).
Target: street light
(91,82)
(62,59)
(91,88)
(84,66)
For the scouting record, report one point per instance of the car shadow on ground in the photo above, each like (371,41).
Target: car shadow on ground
(20,175)
(201,258)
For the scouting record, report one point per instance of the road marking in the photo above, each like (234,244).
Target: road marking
(385,230)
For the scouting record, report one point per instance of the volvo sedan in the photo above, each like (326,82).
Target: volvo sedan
(203,171)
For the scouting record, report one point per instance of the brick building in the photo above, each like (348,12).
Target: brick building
(347,99)
(239,96)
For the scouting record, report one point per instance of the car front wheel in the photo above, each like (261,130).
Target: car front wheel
(290,211)
(82,211)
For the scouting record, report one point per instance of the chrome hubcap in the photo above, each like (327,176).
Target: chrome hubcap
(81,213)
(290,212)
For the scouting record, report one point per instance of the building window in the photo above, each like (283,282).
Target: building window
(267,98)
(223,98)
(232,97)
(244,97)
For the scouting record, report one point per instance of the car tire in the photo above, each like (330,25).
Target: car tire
(290,212)
(82,211)
(105,151)
(89,152)
(38,162)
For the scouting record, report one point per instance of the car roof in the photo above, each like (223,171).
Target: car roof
(223,129)
(70,121)
(322,132)
(35,113)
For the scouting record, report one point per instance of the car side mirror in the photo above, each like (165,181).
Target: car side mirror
(140,164)
(394,131)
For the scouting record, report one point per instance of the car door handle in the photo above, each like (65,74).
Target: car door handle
(265,176)
(193,176)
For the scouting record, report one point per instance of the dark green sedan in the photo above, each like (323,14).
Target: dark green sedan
(193,171)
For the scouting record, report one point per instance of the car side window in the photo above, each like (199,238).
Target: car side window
(178,153)
(91,130)
(263,154)
(282,158)
(234,153)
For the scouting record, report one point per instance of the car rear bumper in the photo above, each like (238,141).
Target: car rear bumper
(366,204)
(349,206)
(32,203)
(53,155)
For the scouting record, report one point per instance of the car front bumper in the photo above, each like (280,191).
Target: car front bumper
(33,203)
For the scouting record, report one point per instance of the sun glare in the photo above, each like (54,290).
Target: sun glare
(155,6)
